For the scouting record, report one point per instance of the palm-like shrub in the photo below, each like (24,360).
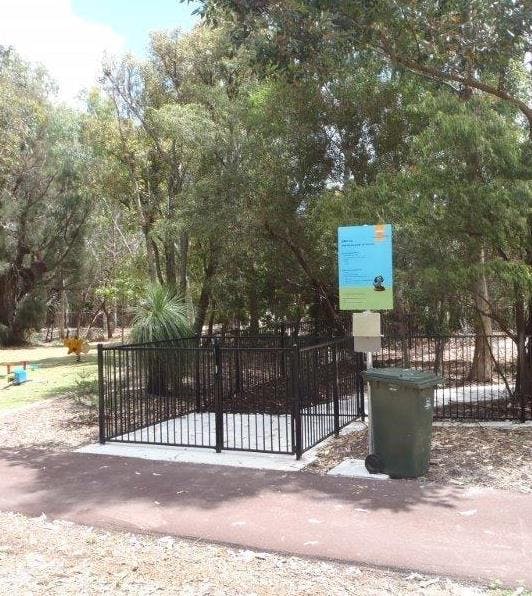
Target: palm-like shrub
(160,315)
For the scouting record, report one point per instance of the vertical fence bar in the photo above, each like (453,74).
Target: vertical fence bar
(197,378)
(238,365)
(283,353)
(296,402)
(218,397)
(101,400)
(336,405)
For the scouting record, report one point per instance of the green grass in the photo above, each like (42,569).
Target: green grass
(365,299)
(55,374)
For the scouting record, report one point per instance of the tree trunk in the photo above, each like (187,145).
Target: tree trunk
(211,322)
(150,256)
(170,261)
(205,295)
(62,311)
(523,382)
(253,306)
(169,240)
(108,327)
(439,349)
(183,262)
(8,300)
(78,323)
(482,366)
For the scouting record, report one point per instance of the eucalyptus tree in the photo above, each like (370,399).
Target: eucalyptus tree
(171,132)
(44,199)
(466,45)
(160,139)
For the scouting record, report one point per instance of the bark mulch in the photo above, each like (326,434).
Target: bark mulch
(469,456)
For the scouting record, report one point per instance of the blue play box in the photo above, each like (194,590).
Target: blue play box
(21,376)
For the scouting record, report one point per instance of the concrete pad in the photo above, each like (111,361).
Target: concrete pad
(355,468)
(247,431)
(504,424)
(196,455)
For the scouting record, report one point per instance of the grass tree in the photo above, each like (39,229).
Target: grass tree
(160,315)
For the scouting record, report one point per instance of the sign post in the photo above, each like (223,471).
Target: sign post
(365,272)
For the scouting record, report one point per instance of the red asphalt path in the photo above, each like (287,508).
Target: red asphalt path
(476,534)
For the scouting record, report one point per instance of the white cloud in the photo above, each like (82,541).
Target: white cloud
(49,32)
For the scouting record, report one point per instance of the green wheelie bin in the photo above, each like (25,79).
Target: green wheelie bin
(401,420)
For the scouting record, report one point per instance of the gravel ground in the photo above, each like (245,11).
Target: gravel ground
(469,456)
(60,424)
(39,556)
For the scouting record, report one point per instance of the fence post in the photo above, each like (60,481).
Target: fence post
(336,405)
(101,401)
(218,397)
(296,402)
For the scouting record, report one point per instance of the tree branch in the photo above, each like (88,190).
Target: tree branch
(467,81)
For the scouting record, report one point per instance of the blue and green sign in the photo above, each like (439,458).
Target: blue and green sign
(365,267)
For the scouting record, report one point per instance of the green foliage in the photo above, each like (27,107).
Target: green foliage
(160,315)
(222,164)
(44,199)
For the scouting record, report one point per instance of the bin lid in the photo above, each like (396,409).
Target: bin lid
(412,377)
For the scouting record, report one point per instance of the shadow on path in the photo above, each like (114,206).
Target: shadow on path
(56,482)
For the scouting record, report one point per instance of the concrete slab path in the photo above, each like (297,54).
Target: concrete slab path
(477,534)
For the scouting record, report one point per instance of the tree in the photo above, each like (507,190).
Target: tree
(44,203)
(466,45)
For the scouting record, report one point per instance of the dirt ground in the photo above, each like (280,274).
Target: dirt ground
(39,556)
(61,424)
(461,455)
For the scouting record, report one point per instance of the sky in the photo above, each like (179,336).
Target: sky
(70,37)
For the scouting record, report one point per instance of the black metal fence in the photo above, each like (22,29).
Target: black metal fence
(480,379)
(274,394)
(285,393)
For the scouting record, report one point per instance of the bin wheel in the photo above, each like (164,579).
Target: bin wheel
(374,464)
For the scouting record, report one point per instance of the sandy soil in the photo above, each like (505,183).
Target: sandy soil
(39,556)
